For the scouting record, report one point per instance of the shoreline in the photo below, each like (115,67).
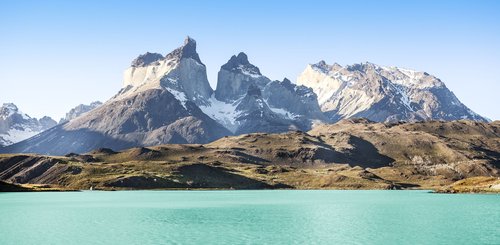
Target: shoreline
(429,190)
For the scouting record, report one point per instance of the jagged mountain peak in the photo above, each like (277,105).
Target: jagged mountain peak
(322,66)
(240,63)
(286,81)
(362,67)
(8,109)
(189,40)
(235,77)
(287,84)
(188,50)
(10,106)
(235,60)
(146,59)
(325,67)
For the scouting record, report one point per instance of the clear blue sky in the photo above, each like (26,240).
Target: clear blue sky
(57,54)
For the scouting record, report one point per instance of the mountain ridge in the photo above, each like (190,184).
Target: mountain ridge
(382,93)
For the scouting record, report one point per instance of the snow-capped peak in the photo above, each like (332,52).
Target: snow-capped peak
(8,109)
(16,125)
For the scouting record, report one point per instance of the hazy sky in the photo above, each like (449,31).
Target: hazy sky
(55,55)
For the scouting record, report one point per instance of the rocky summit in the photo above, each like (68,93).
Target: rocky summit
(236,76)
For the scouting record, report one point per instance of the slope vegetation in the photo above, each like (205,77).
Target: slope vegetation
(351,154)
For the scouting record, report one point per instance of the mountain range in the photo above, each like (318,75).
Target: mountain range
(168,99)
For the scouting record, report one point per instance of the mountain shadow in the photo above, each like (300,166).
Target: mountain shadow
(365,154)
(204,176)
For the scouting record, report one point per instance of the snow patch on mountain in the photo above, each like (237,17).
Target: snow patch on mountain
(249,72)
(224,113)
(180,96)
(15,135)
(283,112)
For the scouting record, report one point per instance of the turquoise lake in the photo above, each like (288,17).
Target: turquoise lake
(249,217)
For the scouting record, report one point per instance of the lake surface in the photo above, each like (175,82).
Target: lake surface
(249,217)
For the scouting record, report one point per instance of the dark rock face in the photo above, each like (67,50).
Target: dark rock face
(236,76)
(146,59)
(241,63)
(256,116)
(188,50)
(254,91)
(299,102)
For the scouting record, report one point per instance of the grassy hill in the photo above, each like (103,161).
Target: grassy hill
(351,154)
